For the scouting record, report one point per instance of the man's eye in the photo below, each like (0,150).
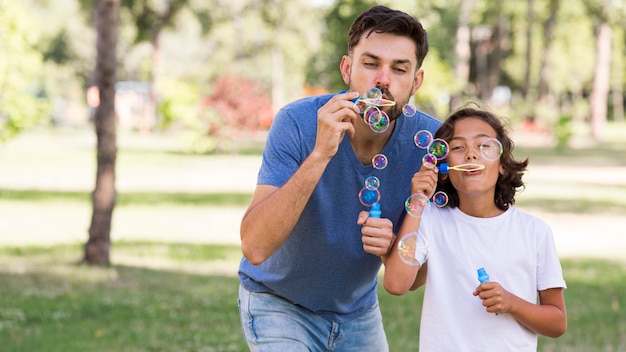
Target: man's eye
(370,64)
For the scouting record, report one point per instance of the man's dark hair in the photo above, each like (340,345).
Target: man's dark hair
(509,182)
(381,19)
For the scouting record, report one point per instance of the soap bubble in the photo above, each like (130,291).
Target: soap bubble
(413,249)
(409,110)
(379,161)
(439,148)
(378,120)
(423,139)
(416,204)
(440,199)
(373,94)
(429,160)
(369,196)
(372,182)
(491,149)
(361,105)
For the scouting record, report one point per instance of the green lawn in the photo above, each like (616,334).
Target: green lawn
(51,304)
(172,286)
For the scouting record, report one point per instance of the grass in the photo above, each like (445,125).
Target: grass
(173,285)
(132,198)
(50,303)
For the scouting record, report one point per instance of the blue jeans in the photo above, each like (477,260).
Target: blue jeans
(273,324)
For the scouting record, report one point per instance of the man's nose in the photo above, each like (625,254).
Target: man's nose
(382,80)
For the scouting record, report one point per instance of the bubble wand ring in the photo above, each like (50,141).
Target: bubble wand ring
(444,168)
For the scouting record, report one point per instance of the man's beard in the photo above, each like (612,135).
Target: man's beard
(394,111)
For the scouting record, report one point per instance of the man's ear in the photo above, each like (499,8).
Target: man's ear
(345,67)
(417,80)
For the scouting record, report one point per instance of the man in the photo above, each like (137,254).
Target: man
(311,251)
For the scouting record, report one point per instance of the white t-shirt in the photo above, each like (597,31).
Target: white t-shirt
(516,249)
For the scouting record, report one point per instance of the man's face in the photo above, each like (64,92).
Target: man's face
(385,61)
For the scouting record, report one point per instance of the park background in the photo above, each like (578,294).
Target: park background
(197,85)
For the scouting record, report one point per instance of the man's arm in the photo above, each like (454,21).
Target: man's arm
(274,211)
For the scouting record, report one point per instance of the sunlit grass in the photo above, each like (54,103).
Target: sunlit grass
(169,289)
(131,198)
(52,304)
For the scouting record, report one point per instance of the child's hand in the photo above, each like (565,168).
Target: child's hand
(494,297)
(425,181)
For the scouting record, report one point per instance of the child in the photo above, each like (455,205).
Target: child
(479,228)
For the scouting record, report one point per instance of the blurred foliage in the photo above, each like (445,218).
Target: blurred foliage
(185,48)
(22,103)
(323,68)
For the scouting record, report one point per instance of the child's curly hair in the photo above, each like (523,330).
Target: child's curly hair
(509,182)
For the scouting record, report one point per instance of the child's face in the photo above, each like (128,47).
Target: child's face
(469,134)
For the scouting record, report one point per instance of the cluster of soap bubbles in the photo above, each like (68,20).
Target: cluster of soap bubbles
(370,193)
(369,106)
(437,150)
(413,248)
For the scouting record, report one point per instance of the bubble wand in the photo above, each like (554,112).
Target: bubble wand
(445,168)
(375,210)
(483,277)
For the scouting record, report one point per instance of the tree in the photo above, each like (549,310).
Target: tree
(104,195)
(324,68)
(601,81)
(150,19)
(599,95)
(20,66)
(462,49)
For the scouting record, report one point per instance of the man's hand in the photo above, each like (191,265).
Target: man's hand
(334,119)
(377,234)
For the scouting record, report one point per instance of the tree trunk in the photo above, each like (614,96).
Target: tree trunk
(530,11)
(500,40)
(601,80)
(462,50)
(618,73)
(549,27)
(103,197)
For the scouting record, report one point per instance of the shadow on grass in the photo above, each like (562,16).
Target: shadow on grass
(608,154)
(574,206)
(597,205)
(49,304)
(134,198)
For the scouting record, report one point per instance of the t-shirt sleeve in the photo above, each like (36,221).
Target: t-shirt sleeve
(549,270)
(283,152)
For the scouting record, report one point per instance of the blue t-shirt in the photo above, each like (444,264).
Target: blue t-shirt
(322,265)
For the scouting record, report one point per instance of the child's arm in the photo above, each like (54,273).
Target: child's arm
(399,276)
(420,279)
(547,318)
